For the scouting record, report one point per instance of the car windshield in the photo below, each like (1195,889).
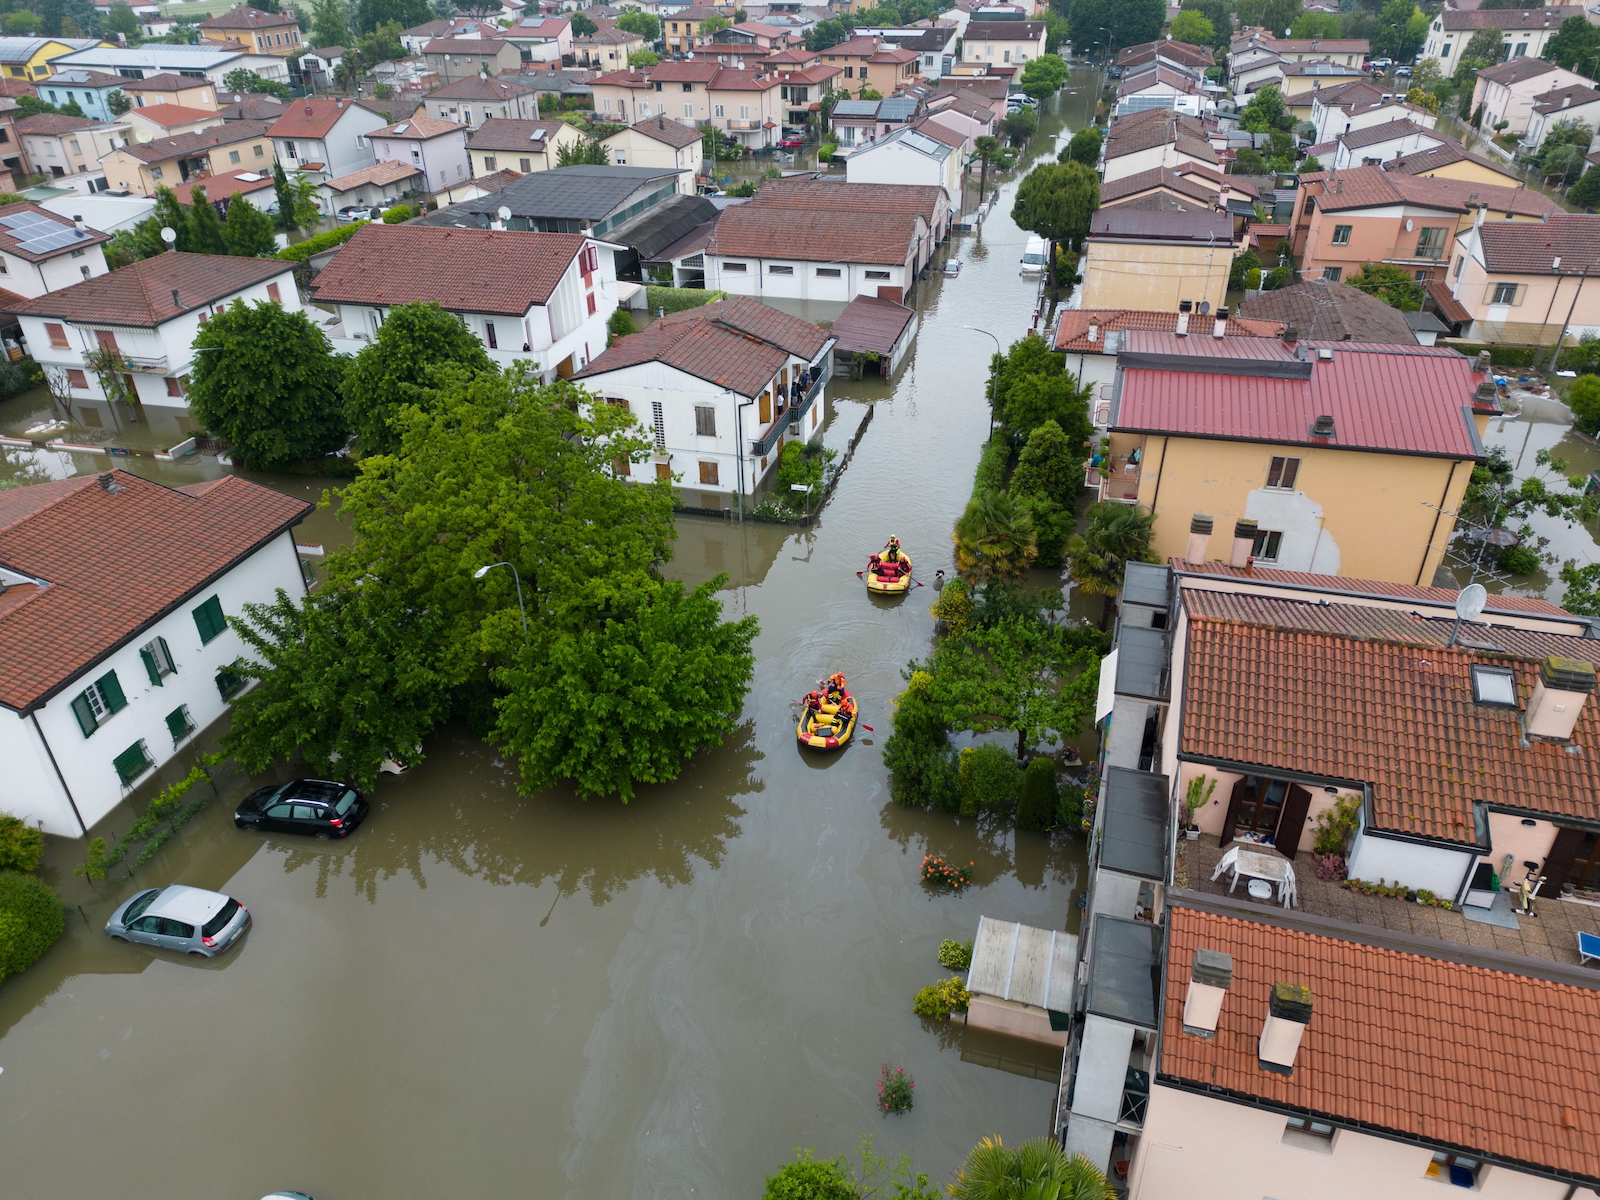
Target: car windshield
(1032,258)
(137,908)
(346,802)
(220,922)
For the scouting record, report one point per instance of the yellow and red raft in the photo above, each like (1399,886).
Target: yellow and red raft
(888,578)
(823,728)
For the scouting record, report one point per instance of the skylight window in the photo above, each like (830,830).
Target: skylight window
(1495,686)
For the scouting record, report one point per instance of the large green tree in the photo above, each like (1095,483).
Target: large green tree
(1117,22)
(1084,147)
(1057,201)
(247,230)
(585,152)
(205,227)
(1575,44)
(1220,14)
(400,366)
(1275,16)
(1586,191)
(267,381)
(1402,28)
(995,538)
(1042,77)
(1192,27)
(1117,535)
(582,26)
(119,18)
(646,25)
(1315,25)
(1266,112)
(330,24)
(406,13)
(1395,286)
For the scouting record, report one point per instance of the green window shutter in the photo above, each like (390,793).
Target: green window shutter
(111,692)
(85,714)
(132,763)
(229,683)
(208,619)
(178,723)
(166,656)
(150,667)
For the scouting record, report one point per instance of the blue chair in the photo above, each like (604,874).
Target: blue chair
(1588,948)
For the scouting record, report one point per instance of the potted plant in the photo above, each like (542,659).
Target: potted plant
(1195,798)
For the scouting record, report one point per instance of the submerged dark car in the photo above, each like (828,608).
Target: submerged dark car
(318,807)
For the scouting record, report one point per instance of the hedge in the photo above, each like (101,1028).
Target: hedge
(993,465)
(32,917)
(1502,356)
(301,251)
(674,300)
(1036,804)
(21,844)
(990,779)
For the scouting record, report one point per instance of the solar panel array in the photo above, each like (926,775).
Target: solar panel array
(39,234)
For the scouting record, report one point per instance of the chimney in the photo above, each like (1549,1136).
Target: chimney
(1483,364)
(1185,307)
(176,303)
(1291,334)
(1219,328)
(1322,427)
(1566,100)
(1288,1014)
(1558,698)
(1094,330)
(77,223)
(1244,542)
(1200,527)
(1209,978)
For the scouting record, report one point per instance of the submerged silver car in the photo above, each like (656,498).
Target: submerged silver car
(177,917)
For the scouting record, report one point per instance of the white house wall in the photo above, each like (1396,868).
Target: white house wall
(1202,1148)
(855,279)
(1440,869)
(172,340)
(86,762)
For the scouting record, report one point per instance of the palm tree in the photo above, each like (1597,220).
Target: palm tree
(1039,1169)
(986,149)
(1117,535)
(995,538)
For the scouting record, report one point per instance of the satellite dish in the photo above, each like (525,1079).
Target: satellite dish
(1469,604)
(1205,307)
(504,213)
(168,234)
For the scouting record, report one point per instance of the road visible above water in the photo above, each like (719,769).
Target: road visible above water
(482,995)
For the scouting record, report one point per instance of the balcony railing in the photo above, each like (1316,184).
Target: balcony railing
(787,417)
(1416,253)
(739,124)
(1120,480)
(144,364)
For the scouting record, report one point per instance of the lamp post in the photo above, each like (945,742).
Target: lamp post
(517,575)
(993,371)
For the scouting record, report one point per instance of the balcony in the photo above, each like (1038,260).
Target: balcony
(790,416)
(1416,253)
(1118,480)
(738,125)
(145,366)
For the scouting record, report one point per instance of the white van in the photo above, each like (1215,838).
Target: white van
(1034,258)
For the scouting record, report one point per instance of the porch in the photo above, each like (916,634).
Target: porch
(1116,479)
(1552,935)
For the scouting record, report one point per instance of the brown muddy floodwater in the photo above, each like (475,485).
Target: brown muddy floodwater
(486,995)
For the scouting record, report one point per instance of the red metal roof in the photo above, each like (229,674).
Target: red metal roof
(1390,398)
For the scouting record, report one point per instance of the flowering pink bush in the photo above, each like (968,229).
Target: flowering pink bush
(894,1090)
(1330,867)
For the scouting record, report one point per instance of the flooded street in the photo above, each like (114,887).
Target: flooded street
(486,995)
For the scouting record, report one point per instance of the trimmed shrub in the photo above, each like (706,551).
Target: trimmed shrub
(955,956)
(399,213)
(807,1179)
(1069,808)
(993,466)
(301,251)
(620,324)
(990,777)
(673,300)
(939,1000)
(31,919)
(953,607)
(1519,560)
(21,845)
(1037,800)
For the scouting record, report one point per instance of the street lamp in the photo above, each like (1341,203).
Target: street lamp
(993,371)
(517,575)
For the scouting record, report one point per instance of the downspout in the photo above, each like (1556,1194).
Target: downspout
(45,742)
(738,432)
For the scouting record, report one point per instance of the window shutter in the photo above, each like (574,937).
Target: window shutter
(132,762)
(208,619)
(170,667)
(111,692)
(150,667)
(85,714)
(178,723)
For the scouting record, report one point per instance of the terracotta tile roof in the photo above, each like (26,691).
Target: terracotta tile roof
(797,54)
(470,47)
(1424,161)
(83,77)
(729,80)
(1399,1041)
(165,82)
(1159,128)
(923,199)
(1072,331)
(1498,602)
(140,295)
(1531,247)
(1449,307)
(505,133)
(187,145)
(498,87)
(1156,177)
(1317,45)
(378,174)
(1388,131)
(1560,99)
(1515,70)
(175,114)
(52,124)
(1004,31)
(167,545)
(1389,713)
(17,87)
(860,47)
(245,17)
(684,72)
(875,238)
(420,128)
(226,185)
(1123,221)
(1181,52)
(1369,187)
(312,117)
(928,127)
(870,325)
(670,133)
(1388,398)
(1330,311)
(739,344)
(625,79)
(817,74)
(254,108)
(463,270)
(1508,20)
(12,244)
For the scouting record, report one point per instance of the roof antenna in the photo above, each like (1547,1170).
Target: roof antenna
(1469,604)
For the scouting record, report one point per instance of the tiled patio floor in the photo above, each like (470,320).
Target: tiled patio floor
(1553,934)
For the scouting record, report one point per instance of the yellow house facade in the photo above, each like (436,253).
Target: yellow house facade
(1152,261)
(505,144)
(29,58)
(1350,464)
